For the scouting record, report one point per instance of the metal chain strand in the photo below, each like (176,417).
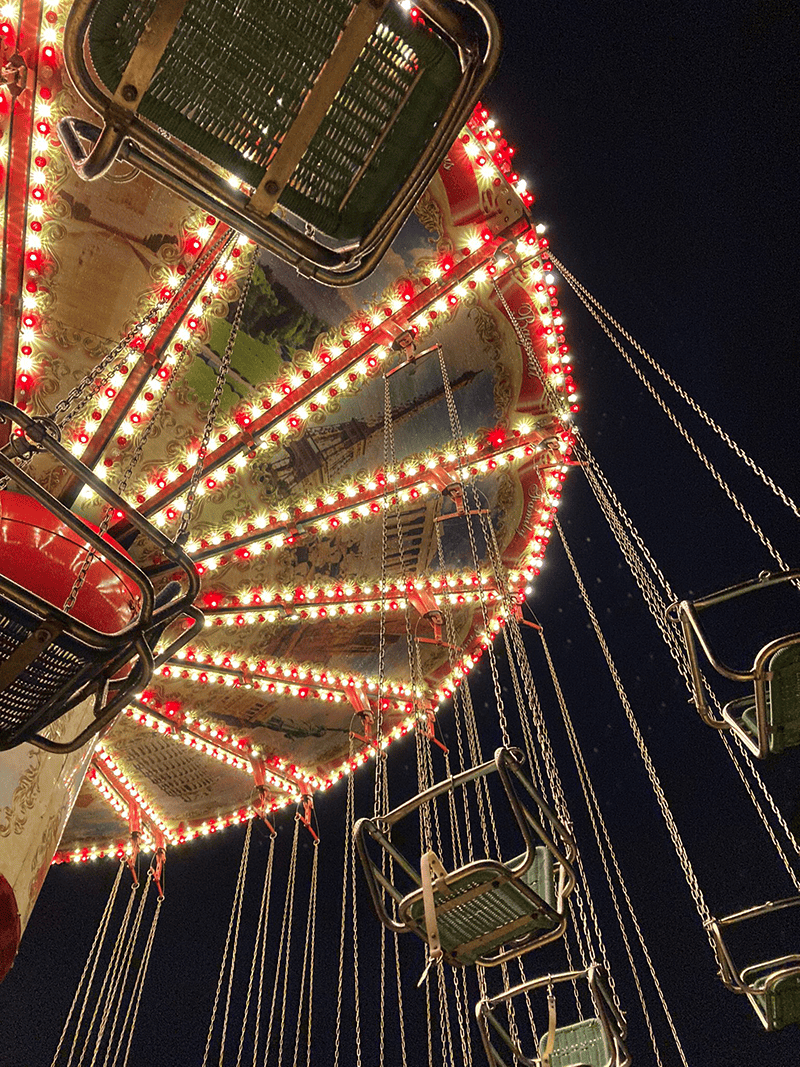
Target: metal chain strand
(133,462)
(219,385)
(599,826)
(236,893)
(259,955)
(307,968)
(348,830)
(110,973)
(380,759)
(712,470)
(593,306)
(283,942)
(120,977)
(669,819)
(62,411)
(465,485)
(136,993)
(289,929)
(236,928)
(91,963)
(613,510)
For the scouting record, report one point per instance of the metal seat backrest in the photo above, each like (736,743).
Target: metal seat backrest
(775,992)
(784,696)
(782,701)
(541,876)
(582,1044)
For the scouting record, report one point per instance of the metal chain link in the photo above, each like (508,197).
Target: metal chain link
(91,964)
(669,819)
(231,923)
(133,462)
(259,955)
(219,385)
(136,993)
(465,485)
(593,306)
(62,411)
(599,827)
(308,962)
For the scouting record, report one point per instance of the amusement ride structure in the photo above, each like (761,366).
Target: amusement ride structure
(286,408)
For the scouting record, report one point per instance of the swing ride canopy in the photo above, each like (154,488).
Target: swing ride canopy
(287,528)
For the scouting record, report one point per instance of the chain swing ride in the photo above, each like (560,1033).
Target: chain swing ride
(331,287)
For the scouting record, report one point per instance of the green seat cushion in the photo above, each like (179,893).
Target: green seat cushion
(583,1044)
(235,73)
(783,701)
(488,915)
(781,1002)
(541,875)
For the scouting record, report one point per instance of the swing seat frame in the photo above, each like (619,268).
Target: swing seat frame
(768,720)
(50,660)
(771,986)
(595,1042)
(486,911)
(341,124)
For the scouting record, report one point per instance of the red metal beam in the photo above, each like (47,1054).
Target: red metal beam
(384,335)
(150,358)
(15,202)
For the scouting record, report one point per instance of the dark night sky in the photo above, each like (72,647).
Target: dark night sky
(661,141)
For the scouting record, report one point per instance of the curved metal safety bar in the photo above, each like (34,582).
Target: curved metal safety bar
(771,986)
(599,1040)
(97,657)
(748,717)
(460,896)
(127,135)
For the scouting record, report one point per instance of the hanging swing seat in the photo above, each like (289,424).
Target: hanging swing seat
(336,111)
(482,907)
(597,1041)
(772,986)
(768,719)
(486,911)
(102,648)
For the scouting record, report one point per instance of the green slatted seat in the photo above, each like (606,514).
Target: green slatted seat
(779,1003)
(772,987)
(782,702)
(232,95)
(598,1041)
(232,86)
(767,720)
(583,1044)
(484,909)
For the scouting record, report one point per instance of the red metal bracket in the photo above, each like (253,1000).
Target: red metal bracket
(135,827)
(412,358)
(304,816)
(516,612)
(430,717)
(157,866)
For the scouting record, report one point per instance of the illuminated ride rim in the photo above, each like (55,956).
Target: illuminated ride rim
(287,530)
